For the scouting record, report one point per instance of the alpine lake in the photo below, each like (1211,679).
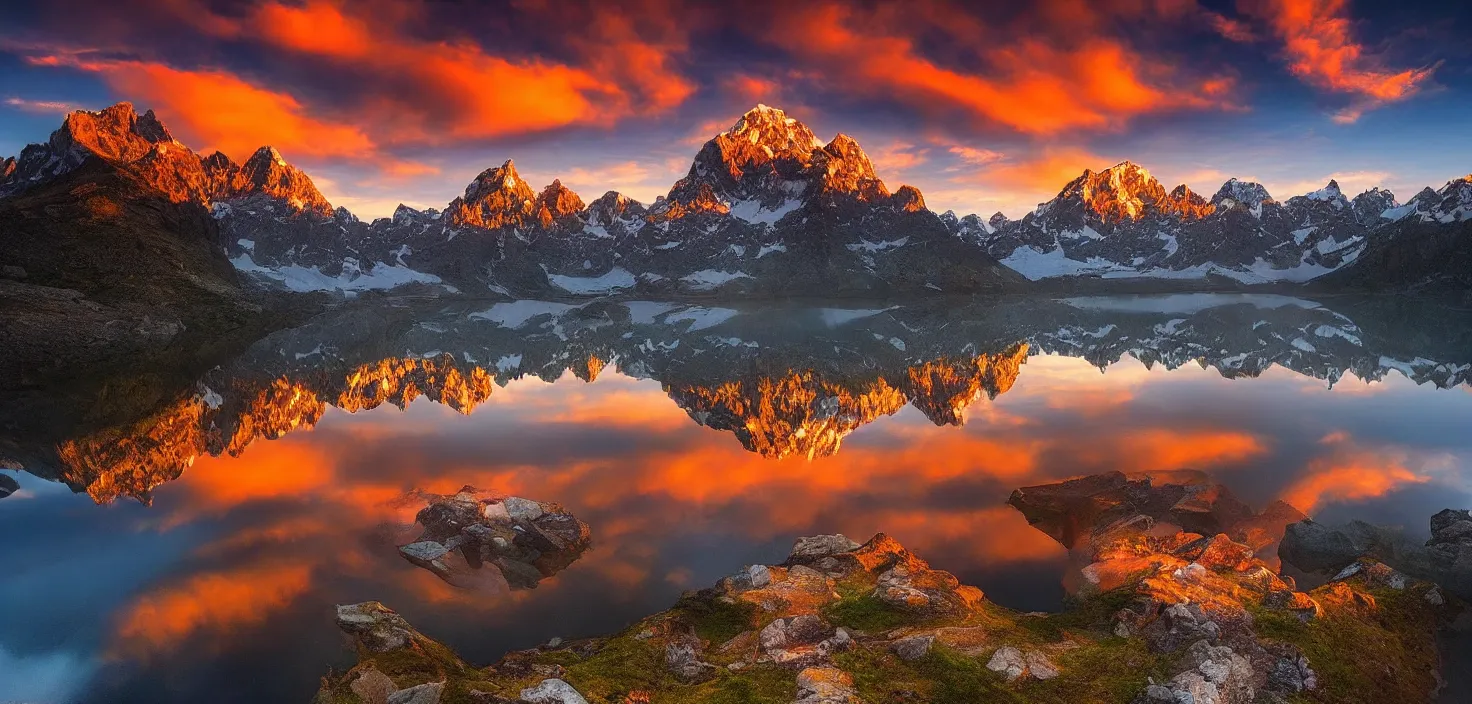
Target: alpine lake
(185,535)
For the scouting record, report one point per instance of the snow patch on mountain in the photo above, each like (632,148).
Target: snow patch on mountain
(616,279)
(706,279)
(753,212)
(352,280)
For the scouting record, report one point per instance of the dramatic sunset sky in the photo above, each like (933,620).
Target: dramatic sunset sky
(984,106)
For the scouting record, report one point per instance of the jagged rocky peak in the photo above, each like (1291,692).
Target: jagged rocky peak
(1190,204)
(406,215)
(613,206)
(117,133)
(844,168)
(143,145)
(1456,199)
(1246,194)
(1372,204)
(1127,191)
(1330,193)
(555,202)
(267,172)
(997,220)
(218,162)
(770,127)
(498,197)
(908,199)
(764,157)
(768,164)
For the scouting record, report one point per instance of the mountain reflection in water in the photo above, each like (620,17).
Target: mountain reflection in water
(692,439)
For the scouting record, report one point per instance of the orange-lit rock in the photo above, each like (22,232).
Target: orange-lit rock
(499,197)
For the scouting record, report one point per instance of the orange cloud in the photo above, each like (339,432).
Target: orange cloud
(1349,473)
(451,89)
(1031,86)
(897,156)
(216,110)
(213,602)
(752,89)
(1159,449)
(1321,50)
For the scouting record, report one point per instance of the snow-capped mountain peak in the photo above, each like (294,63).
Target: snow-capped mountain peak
(1329,193)
(1247,194)
(772,127)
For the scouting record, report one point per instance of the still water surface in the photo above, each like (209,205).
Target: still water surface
(708,438)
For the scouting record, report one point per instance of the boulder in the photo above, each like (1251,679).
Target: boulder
(373,687)
(682,657)
(1178,626)
(423,694)
(376,626)
(1009,662)
(821,546)
(825,685)
(552,691)
(1013,664)
(912,648)
(521,510)
(1213,675)
(928,593)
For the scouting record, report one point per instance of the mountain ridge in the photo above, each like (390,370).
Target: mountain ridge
(767,189)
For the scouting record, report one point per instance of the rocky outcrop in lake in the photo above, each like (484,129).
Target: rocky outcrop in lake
(475,538)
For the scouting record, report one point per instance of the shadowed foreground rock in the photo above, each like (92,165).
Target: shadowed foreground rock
(1445,559)
(474,538)
(1179,618)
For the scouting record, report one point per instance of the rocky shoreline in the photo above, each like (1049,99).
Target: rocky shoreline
(1164,615)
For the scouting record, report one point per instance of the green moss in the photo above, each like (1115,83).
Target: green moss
(754,685)
(717,621)
(943,676)
(424,661)
(624,665)
(1385,655)
(1095,613)
(867,614)
(1109,671)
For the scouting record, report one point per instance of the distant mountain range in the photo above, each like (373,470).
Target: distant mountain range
(766,208)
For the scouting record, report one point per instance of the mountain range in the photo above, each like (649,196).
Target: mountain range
(766,208)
